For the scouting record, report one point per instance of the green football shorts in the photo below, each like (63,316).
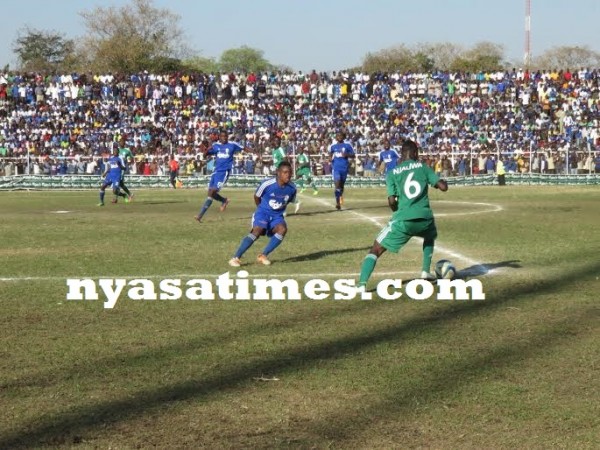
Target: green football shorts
(397,233)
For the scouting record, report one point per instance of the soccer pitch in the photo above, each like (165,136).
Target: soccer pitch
(516,370)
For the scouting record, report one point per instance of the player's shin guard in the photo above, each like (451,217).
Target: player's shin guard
(427,254)
(366,269)
(276,239)
(205,207)
(102,196)
(245,245)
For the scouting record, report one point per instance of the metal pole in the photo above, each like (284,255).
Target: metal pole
(294,159)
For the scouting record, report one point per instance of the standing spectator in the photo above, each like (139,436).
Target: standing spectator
(490,165)
(438,166)
(146,170)
(173,171)
(462,166)
(501,173)
(446,167)
(481,161)
(249,165)
(190,168)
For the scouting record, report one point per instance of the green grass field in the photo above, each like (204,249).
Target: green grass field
(520,369)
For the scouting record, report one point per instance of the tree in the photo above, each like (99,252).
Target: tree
(244,59)
(567,57)
(483,56)
(399,58)
(42,51)
(426,57)
(424,61)
(132,38)
(443,54)
(200,64)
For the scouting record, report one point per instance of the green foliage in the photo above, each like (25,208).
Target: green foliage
(139,36)
(39,50)
(164,64)
(200,64)
(399,58)
(424,61)
(483,56)
(428,57)
(243,59)
(131,38)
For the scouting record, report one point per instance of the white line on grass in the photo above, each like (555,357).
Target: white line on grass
(373,219)
(492,208)
(476,267)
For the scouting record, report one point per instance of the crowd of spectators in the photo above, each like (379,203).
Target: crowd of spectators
(543,121)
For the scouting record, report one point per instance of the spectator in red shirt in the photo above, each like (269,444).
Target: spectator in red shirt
(173,171)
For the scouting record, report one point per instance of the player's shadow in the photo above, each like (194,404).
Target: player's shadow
(324,253)
(472,271)
(483,269)
(333,210)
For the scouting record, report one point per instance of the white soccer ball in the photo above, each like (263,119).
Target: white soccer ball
(444,269)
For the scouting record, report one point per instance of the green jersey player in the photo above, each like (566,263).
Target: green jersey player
(407,186)
(279,154)
(127,157)
(304,172)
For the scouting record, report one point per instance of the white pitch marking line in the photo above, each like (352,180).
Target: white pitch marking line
(372,219)
(493,208)
(204,276)
(439,247)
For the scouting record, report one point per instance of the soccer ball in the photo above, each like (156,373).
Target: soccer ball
(445,269)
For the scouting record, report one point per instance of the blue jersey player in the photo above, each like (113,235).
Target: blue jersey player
(388,156)
(271,198)
(224,152)
(114,168)
(341,152)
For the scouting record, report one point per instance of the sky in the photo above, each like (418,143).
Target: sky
(328,35)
